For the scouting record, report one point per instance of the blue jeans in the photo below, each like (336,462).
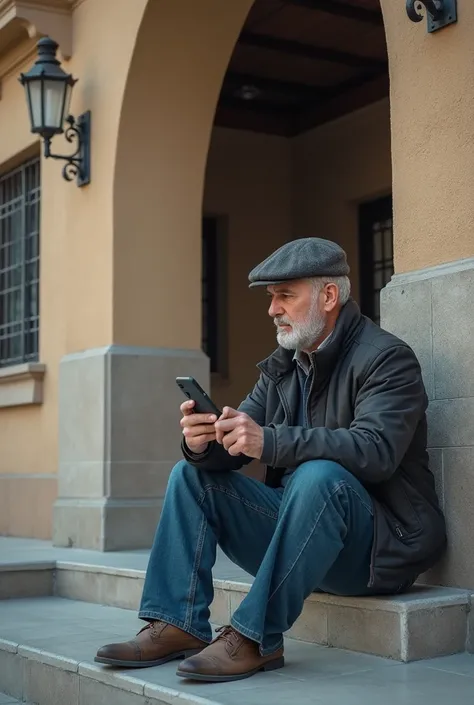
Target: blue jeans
(315,534)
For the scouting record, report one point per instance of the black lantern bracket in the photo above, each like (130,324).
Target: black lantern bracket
(440,13)
(78,164)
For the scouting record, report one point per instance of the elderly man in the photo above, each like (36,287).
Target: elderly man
(349,505)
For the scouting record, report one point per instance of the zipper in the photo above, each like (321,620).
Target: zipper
(398,531)
(308,419)
(284,404)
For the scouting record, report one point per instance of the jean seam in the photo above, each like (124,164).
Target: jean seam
(194,574)
(369,508)
(316,522)
(242,500)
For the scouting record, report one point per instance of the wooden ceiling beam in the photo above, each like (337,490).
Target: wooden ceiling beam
(339,9)
(308,51)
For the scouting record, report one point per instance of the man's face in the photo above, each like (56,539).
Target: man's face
(297,311)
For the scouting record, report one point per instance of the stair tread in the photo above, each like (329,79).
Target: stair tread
(66,633)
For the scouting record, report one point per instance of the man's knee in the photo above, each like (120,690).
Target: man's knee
(183,474)
(320,474)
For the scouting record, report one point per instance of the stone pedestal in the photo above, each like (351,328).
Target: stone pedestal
(119,437)
(433,311)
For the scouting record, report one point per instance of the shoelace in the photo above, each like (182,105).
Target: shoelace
(229,635)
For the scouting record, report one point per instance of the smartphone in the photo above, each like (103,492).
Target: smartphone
(203,404)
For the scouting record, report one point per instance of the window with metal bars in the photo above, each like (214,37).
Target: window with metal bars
(214,294)
(19,264)
(375,253)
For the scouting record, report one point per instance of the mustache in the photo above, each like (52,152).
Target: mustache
(281,321)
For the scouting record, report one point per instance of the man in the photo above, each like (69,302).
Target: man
(349,505)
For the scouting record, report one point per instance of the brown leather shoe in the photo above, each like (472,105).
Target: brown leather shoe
(230,657)
(157,643)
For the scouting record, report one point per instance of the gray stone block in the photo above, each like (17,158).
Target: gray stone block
(93,692)
(369,631)
(457,566)
(18,582)
(453,334)
(406,312)
(119,438)
(78,523)
(312,624)
(451,423)
(106,524)
(49,685)
(436,467)
(435,632)
(82,407)
(115,588)
(11,673)
(150,477)
(470,628)
(111,677)
(220,607)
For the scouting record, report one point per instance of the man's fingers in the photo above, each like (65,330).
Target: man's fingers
(186,407)
(228,412)
(203,439)
(226,425)
(193,431)
(197,420)
(230,439)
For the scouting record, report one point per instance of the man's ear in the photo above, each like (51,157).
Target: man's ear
(331,297)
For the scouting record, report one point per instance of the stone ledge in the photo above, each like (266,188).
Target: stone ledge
(22,385)
(424,623)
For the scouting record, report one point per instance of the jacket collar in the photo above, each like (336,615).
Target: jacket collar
(281,362)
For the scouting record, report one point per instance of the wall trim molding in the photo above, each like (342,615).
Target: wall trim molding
(22,385)
(438,270)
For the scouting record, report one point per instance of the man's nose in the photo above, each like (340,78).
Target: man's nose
(275,309)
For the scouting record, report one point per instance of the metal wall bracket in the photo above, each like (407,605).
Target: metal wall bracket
(440,13)
(78,165)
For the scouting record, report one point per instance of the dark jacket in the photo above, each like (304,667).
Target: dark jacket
(367,411)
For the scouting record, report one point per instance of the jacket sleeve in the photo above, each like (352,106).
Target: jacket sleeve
(388,408)
(216,457)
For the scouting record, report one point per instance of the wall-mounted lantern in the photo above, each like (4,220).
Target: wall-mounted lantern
(440,13)
(48,92)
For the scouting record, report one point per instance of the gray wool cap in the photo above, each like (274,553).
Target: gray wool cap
(301,259)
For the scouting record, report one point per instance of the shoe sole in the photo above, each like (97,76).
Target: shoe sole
(147,664)
(269,666)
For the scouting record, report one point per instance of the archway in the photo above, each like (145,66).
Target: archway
(300,146)
(181,54)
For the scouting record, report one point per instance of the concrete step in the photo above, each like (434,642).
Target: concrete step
(47,646)
(8,700)
(425,623)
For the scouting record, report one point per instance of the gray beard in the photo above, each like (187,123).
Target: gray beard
(303,334)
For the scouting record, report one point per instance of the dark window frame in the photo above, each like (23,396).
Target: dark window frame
(20,207)
(375,257)
(214,293)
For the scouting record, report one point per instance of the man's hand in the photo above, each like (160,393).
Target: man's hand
(239,434)
(198,429)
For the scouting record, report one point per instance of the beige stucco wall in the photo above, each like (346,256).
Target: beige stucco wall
(28,436)
(109,251)
(76,253)
(432,98)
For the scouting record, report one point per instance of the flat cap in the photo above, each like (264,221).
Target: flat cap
(301,259)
